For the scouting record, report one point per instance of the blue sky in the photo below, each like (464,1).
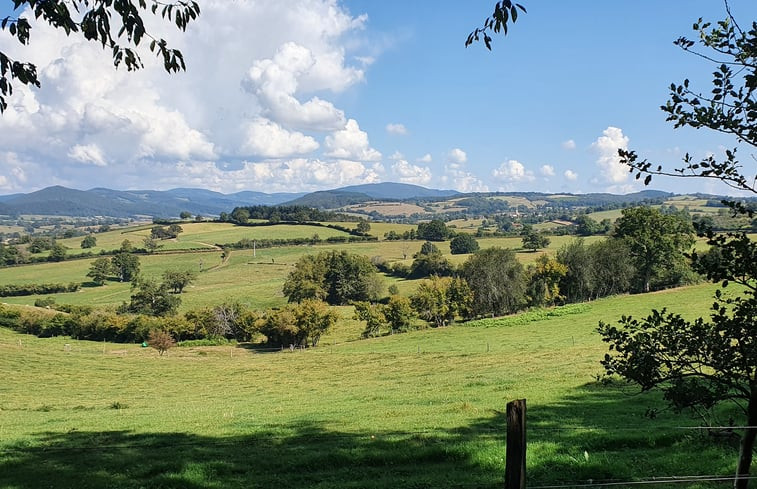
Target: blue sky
(317,94)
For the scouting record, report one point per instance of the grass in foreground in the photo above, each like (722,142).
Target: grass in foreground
(419,410)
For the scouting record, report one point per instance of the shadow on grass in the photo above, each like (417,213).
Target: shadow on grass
(596,433)
(601,433)
(303,456)
(263,348)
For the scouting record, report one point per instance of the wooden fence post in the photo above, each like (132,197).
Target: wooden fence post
(515,454)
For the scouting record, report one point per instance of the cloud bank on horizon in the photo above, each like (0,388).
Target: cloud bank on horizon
(268,104)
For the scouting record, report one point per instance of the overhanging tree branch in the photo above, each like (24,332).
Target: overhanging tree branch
(115,24)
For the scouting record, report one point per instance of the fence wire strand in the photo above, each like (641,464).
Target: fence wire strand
(649,481)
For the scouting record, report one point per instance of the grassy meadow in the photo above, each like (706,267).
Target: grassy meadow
(253,278)
(418,410)
(203,235)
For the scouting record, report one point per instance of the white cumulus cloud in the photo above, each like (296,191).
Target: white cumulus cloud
(512,171)
(269,140)
(257,81)
(275,82)
(350,143)
(608,161)
(571,175)
(547,170)
(425,158)
(569,144)
(408,173)
(457,157)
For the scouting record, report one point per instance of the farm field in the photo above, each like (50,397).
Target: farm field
(204,235)
(422,409)
(389,209)
(254,279)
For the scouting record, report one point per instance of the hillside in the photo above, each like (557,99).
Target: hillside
(397,191)
(330,199)
(378,200)
(62,201)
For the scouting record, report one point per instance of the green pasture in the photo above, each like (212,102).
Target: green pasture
(11,229)
(612,215)
(378,229)
(417,410)
(205,235)
(252,278)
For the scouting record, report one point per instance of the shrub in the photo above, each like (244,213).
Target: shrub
(161,341)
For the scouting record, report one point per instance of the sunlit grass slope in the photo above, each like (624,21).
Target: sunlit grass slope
(424,409)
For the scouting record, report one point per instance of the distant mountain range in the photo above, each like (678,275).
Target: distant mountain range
(62,201)
(356,194)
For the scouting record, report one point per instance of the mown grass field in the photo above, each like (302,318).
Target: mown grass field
(417,410)
(204,235)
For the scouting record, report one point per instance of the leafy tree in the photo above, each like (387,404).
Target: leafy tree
(363,226)
(430,261)
(461,295)
(40,243)
(373,315)
(151,298)
(314,318)
(600,269)
(439,300)
(185,215)
(280,327)
(701,363)
(161,341)
(298,324)
(334,276)
(100,270)
(240,215)
(586,226)
(533,240)
(307,280)
(497,280)
(656,243)
(434,230)
(162,232)
(97,22)
(350,277)
(578,282)
(177,280)
(125,266)
(399,313)
(462,244)
(150,244)
(57,252)
(612,270)
(432,301)
(175,230)
(12,255)
(90,241)
(126,247)
(544,281)
(428,248)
